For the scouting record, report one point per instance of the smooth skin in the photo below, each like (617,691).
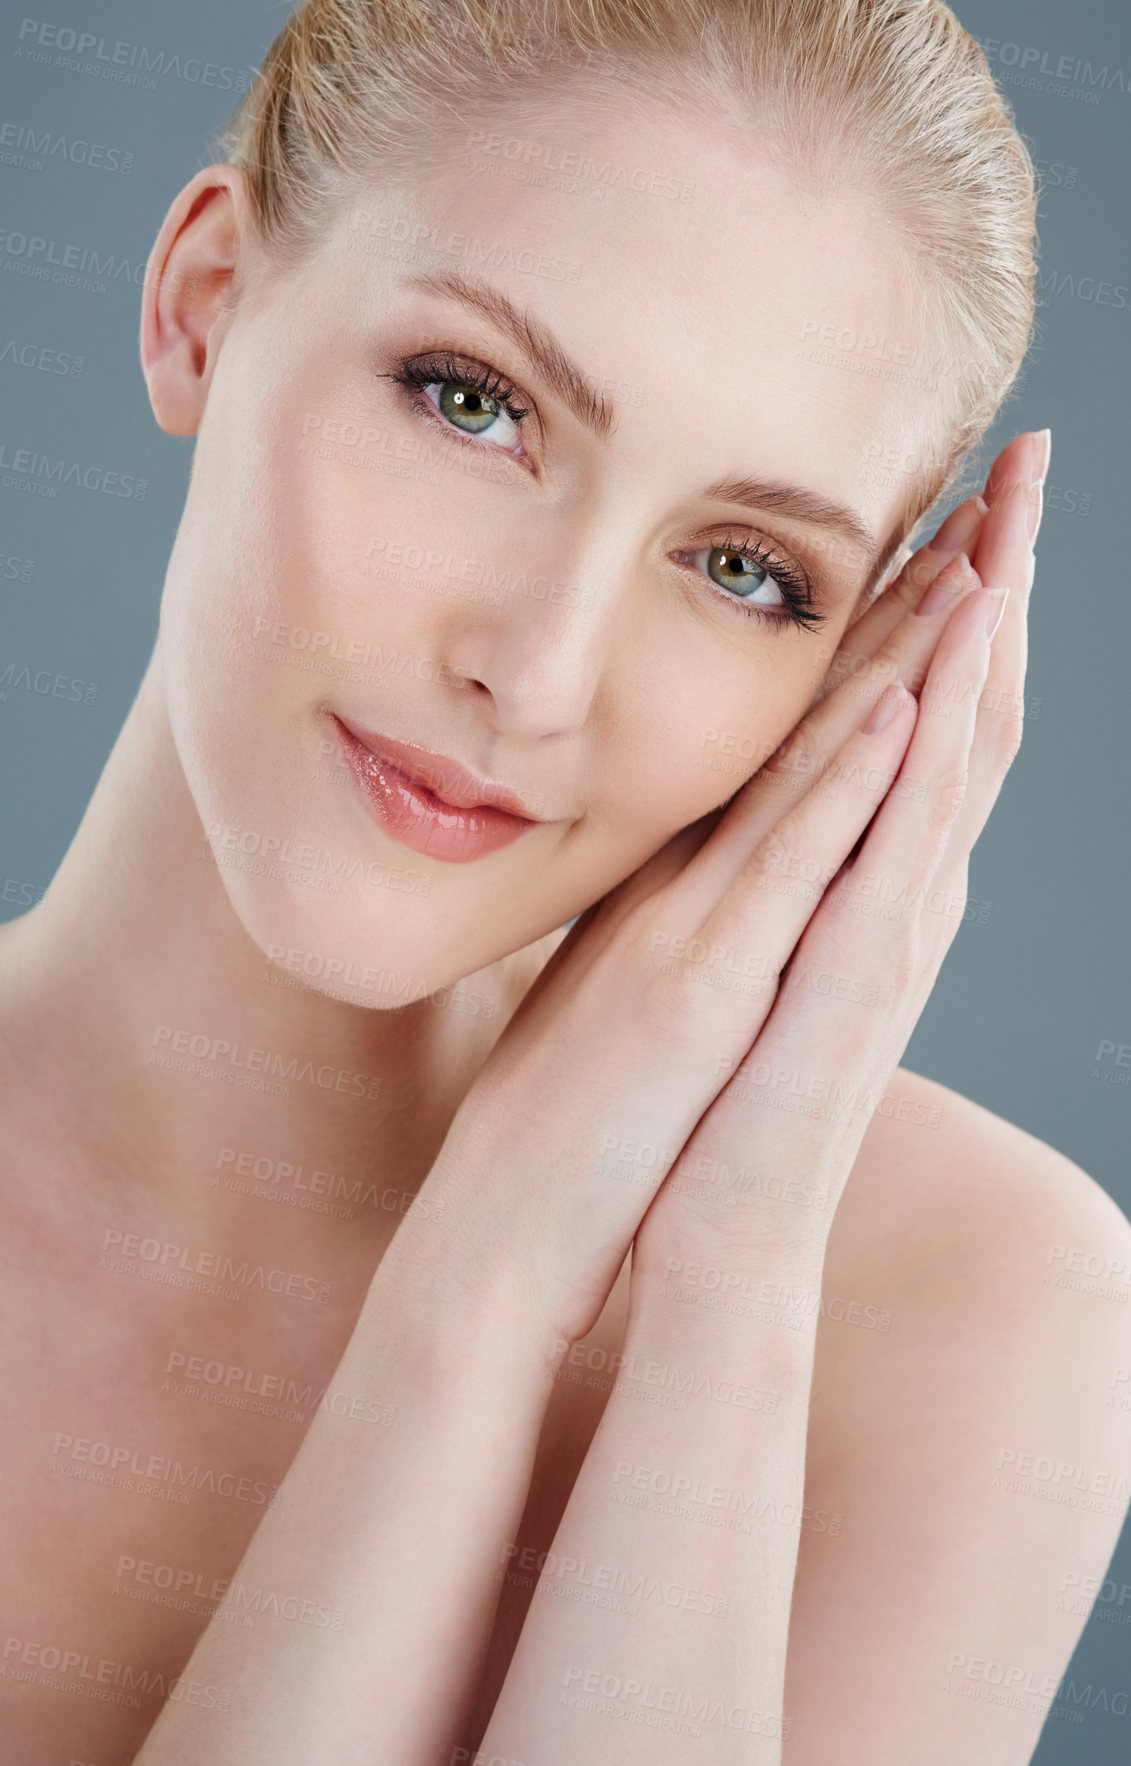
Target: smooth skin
(453,1314)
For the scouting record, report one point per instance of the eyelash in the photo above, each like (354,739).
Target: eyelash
(796,608)
(415,374)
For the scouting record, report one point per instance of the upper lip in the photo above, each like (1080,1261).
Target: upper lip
(444,777)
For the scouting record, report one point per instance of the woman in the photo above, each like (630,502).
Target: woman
(397,1265)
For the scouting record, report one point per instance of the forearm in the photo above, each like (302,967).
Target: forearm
(659,1628)
(394,1529)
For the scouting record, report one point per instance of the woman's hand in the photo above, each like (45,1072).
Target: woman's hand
(711,1496)
(794,1113)
(658,993)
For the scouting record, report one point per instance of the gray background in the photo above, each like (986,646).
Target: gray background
(1037,981)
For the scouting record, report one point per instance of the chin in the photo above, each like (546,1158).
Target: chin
(380,944)
(370,945)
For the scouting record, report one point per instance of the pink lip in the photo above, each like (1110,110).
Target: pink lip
(428,801)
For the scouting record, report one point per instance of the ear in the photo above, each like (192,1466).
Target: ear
(190,287)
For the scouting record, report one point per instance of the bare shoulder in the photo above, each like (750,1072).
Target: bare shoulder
(970,1435)
(971,1198)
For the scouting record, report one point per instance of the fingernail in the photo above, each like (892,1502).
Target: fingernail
(952,581)
(1035,497)
(995,600)
(885,708)
(1043,438)
(960,526)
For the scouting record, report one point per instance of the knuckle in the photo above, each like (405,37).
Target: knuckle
(872,674)
(644,927)
(901,960)
(875,935)
(886,665)
(783,862)
(798,761)
(659,983)
(772,852)
(1007,741)
(683,984)
(918,574)
(945,798)
(668,996)
(687,1003)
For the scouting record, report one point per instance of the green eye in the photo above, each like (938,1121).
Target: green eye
(471,400)
(752,581)
(463,404)
(739,574)
(473,410)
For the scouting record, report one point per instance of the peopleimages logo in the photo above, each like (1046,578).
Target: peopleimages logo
(47,684)
(1104,294)
(1068,76)
(41,357)
(48,1664)
(24,147)
(76,266)
(130,64)
(216,1057)
(46,474)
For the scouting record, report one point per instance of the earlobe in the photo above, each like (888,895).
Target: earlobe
(189,290)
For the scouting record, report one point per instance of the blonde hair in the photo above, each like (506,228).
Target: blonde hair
(889,97)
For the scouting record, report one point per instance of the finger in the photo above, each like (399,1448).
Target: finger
(596,926)
(887,646)
(797,765)
(875,930)
(874,963)
(731,830)
(958,534)
(1022,460)
(801,765)
(1004,553)
(756,922)
(1008,562)
(915,825)
(1004,557)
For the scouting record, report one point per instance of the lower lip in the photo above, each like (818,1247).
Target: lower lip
(416,817)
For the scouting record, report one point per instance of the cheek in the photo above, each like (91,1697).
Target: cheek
(703,749)
(361,551)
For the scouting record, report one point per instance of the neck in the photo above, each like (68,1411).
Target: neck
(183,1084)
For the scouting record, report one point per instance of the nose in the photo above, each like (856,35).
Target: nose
(543,644)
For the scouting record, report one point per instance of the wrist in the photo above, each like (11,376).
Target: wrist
(454,1302)
(709,1297)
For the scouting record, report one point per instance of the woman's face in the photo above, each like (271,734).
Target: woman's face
(556,602)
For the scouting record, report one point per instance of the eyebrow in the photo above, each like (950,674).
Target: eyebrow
(539,345)
(803,505)
(566,379)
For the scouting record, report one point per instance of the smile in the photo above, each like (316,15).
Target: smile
(427,801)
